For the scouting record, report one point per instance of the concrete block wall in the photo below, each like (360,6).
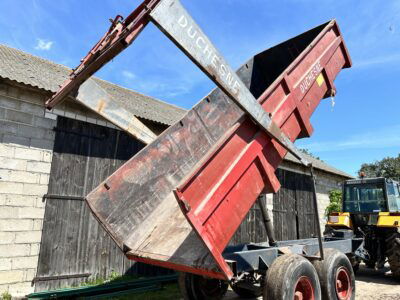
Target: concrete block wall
(26,143)
(326,182)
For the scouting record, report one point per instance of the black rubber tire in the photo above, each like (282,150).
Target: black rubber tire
(245,293)
(283,277)
(195,287)
(393,253)
(335,262)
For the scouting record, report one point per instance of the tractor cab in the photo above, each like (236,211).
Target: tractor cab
(371,195)
(370,211)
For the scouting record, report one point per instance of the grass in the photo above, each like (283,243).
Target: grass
(170,291)
(6,296)
(114,277)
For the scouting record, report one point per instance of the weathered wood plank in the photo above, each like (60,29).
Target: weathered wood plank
(73,241)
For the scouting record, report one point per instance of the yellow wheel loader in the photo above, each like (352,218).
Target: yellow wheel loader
(371,211)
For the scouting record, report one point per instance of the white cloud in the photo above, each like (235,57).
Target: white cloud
(160,87)
(128,74)
(43,44)
(388,59)
(376,139)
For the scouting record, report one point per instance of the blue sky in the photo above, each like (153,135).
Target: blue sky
(363,126)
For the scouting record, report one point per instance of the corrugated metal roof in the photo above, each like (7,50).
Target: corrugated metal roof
(318,164)
(38,72)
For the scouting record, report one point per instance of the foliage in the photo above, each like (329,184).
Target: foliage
(389,167)
(168,291)
(6,296)
(308,152)
(114,277)
(335,202)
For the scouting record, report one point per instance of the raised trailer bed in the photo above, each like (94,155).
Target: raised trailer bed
(178,202)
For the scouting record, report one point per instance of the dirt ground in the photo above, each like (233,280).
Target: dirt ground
(370,285)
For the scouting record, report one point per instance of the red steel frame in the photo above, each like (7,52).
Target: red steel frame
(216,197)
(119,36)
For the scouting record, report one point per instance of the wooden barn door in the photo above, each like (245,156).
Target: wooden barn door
(293,207)
(74,246)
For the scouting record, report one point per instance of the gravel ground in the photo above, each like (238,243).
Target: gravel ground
(379,285)
(370,285)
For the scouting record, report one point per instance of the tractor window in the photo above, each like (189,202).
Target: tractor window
(393,197)
(367,197)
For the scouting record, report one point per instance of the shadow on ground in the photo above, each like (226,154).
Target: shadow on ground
(382,276)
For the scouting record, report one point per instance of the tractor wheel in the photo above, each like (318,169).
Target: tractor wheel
(195,287)
(336,276)
(393,253)
(291,276)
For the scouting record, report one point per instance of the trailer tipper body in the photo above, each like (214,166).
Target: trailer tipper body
(178,202)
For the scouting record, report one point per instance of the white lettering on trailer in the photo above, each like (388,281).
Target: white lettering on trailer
(310,77)
(214,59)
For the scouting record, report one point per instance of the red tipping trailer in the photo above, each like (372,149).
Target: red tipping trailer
(203,174)
(178,202)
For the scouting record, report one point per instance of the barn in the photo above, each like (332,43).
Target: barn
(49,160)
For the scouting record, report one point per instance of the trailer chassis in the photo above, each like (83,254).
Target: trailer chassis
(258,257)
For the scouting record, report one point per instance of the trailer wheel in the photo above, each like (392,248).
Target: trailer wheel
(336,276)
(195,287)
(291,276)
(393,253)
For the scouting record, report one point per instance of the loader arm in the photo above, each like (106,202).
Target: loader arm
(172,19)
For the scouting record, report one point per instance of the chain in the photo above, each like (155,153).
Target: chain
(333,93)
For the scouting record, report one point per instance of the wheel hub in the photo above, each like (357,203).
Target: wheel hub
(304,289)
(343,284)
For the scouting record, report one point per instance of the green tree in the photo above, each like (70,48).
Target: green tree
(388,167)
(335,202)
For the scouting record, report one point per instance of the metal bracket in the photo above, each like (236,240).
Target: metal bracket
(59,277)
(63,197)
(319,235)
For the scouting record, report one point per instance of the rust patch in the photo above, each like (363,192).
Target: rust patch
(101,105)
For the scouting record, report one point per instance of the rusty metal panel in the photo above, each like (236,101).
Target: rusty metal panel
(91,95)
(137,205)
(118,37)
(172,18)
